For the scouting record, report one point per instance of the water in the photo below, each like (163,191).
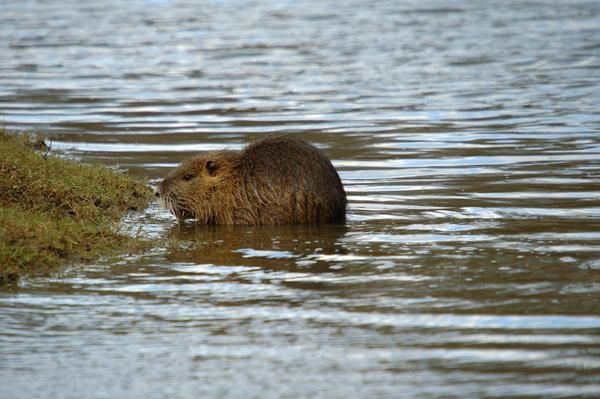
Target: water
(467,137)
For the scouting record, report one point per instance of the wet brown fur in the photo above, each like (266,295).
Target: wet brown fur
(275,180)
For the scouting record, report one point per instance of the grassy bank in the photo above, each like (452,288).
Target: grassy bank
(55,211)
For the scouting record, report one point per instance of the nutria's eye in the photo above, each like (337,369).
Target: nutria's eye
(188,177)
(211,167)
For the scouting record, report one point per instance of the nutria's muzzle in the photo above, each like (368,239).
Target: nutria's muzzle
(169,200)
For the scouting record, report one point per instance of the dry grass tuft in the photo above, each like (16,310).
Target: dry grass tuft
(54,211)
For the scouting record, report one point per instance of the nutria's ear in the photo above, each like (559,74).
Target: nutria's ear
(211,167)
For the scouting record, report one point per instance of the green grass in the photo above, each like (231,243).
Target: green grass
(55,211)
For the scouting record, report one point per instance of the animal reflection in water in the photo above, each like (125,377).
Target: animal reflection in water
(313,248)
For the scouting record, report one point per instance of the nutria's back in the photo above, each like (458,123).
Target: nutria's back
(275,180)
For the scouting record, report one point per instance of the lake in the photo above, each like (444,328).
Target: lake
(467,135)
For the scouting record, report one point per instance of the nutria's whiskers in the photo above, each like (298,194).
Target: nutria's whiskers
(168,202)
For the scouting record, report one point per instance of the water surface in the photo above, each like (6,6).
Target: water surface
(467,137)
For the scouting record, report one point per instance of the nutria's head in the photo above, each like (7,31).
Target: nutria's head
(196,189)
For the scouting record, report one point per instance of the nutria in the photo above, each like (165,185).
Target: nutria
(275,180)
